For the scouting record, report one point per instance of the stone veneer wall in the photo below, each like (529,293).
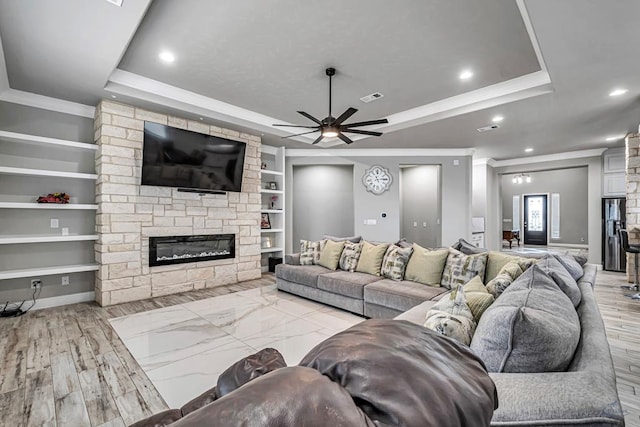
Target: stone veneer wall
(632,155)
(128,214)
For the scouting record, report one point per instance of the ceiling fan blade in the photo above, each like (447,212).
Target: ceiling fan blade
(345,138)
(317,140)
(297,126)
(344,116)
(310,117)
(362,132)
(367,123)
(298,134)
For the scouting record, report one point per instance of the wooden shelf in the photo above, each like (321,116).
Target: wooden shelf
(269,250)
(47,271)
(271,230)
(9,240)
(270,172)
(16,205)
(37,172)
(264,190)
(24,138)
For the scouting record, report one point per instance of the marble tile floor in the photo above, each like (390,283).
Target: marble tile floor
(184,348)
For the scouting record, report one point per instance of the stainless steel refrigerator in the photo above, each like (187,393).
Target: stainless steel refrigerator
(613,219)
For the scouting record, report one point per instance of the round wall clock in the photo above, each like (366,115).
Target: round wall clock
(377,179)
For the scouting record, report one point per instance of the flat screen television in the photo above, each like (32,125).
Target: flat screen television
(180,158)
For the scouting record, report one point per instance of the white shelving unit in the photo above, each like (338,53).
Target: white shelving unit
(273,203)
(54,143)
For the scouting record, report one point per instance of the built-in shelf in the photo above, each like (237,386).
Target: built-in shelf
(24,138)
(272,211)
(17,205)
(271,172)
(271,230)
(47,271)
(269,250)
(265,190)
(38,172)
(9,240)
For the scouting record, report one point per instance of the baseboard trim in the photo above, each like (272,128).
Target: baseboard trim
(64,300)
(569,245)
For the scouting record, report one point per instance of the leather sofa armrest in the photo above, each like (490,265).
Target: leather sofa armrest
(293,259)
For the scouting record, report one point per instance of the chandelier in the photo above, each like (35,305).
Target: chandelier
(521,177)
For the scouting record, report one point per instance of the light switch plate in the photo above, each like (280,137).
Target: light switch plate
(55,223)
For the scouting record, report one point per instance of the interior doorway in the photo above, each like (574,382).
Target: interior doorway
(420,204)
(535,219)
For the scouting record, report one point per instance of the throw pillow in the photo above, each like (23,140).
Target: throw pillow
(497,260)
(330,255)
(371,258)
(425,265)
(403,243)
(350,256)
(478,298)
(452,317)
(552,266)
(469,248)
(352,239)
(571,264)
(461,268)
(395,261)
(532,327)
(310,251)
(508,273)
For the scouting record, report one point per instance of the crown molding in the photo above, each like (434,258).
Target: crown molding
(532,35)
(379,152)
(47,103)
(594,152)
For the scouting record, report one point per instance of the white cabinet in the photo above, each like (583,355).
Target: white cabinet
(32,165)
(272,190)
(613,178)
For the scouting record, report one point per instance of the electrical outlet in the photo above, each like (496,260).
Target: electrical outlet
(55,223)
(36,283)
(65,231)
(65,280)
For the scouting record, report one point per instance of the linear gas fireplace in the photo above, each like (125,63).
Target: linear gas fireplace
(181,249)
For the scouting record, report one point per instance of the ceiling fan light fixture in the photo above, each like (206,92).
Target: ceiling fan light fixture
(330,132)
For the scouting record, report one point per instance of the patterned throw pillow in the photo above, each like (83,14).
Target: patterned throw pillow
(452,317)
(310,251)
(510,272)
(350,256)
(478,298)
(395,261)
(461,268)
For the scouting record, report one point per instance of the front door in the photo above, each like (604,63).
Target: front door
(535,219)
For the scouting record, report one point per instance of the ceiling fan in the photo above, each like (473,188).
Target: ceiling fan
(331,126)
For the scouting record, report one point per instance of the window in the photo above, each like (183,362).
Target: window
(555,215)
(516,213)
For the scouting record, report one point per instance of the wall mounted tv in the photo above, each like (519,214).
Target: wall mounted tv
(192,161)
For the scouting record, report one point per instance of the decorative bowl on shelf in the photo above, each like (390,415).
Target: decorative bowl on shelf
(61,198)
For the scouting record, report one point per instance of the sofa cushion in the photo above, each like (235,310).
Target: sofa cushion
(352,239)
(350,256)
(452,317)
(508,273)
(302,274)
(426,265)
(310,251)
(461,268)
(394,262)
(531,327)
(571,264)
(552,266)
(371,258)
(400,295)
(346,283)
(478,298)
(247,369)
(330,255)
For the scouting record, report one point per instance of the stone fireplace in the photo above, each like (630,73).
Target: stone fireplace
(130,215)
(167,250)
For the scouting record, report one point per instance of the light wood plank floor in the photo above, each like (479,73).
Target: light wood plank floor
(66,365)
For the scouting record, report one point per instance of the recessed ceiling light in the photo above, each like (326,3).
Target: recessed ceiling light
(167,56)
(528,150)
(618,92)
(465,74)
(614,138)
(497,119)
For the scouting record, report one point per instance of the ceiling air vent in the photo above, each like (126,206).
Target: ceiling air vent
(372,97)
(488,128)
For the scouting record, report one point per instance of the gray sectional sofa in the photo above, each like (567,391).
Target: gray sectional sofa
(585,394)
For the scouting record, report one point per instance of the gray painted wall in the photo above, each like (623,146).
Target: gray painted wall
(322,201)
(420,205)
(34,121)
(455,194)
(571,184)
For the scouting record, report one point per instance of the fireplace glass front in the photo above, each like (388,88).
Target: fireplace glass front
(180,249)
